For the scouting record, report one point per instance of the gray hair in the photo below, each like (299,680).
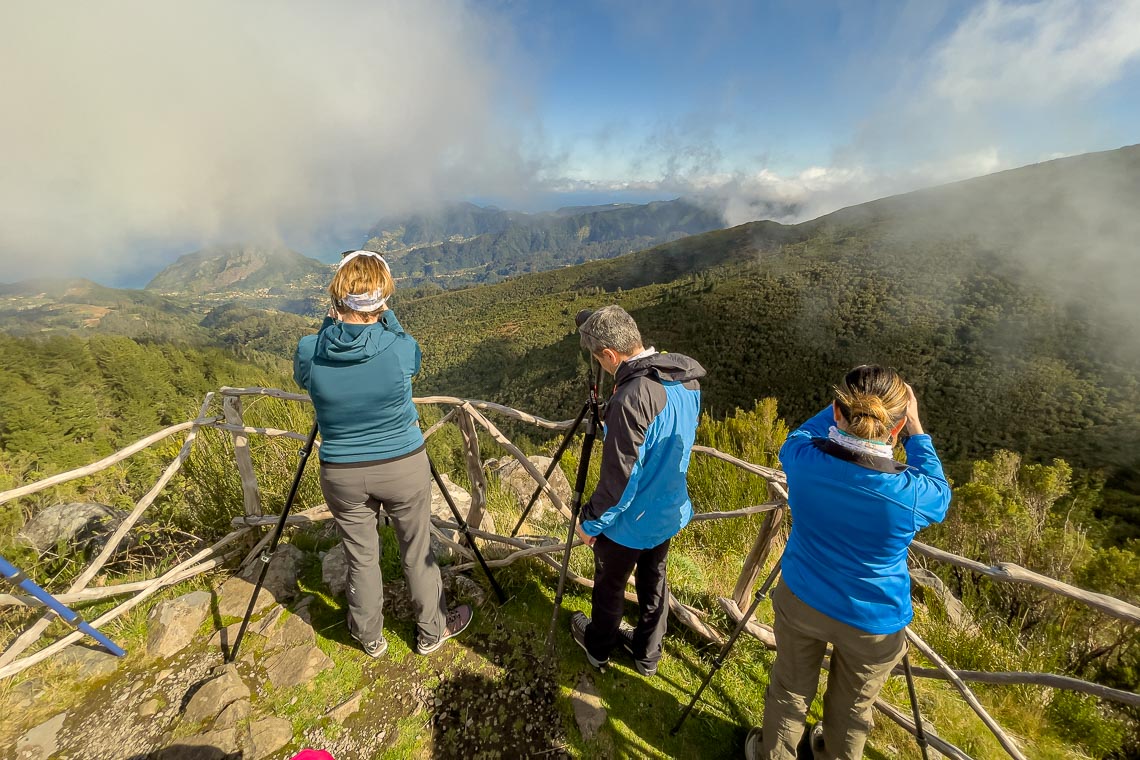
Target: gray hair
(610,327)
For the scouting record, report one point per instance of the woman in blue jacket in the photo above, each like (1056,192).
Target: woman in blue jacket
(845,580)
(358,371)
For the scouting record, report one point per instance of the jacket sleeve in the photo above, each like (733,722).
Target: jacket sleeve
(303,358)
(626,426)
(932,491)
(408,346)
(800,438)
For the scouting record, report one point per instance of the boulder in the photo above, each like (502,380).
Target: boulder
(172,624)
(521,485)
(41,742)
(280,583)
(93,662)
(215,695)
(79,524)
(213,745)
(956,612)
(588,710)
(295,631)
(296,665)
(440,510)
(268,735)
(347,708)
(234,713)
(334,570)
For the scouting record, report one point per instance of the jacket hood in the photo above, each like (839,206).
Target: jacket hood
(676,368)
(349,343)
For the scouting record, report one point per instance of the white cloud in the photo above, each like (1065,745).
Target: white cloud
(135,120)
(1036,54)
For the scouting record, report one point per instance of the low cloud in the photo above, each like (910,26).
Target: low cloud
(136,121)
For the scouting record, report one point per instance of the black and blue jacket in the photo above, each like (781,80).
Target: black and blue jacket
(642,498)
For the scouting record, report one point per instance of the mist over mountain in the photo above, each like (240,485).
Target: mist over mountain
(464,243)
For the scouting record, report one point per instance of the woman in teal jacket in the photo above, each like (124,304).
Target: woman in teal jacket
(845,580)
(358,371)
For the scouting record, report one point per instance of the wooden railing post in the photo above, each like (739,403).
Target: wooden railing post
(250,495)
(474,463)
(754,562)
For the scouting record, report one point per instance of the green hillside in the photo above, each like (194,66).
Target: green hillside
(467,244)
(959,287)
(245,269)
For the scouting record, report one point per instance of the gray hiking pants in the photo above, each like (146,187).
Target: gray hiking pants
(355,495)
(860,665)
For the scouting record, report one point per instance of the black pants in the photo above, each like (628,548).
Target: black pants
(613,564)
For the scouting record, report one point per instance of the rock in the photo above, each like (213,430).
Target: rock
(518,481)
(224,639)
(280,584)
(296,665)
(347,708)
(956,612)
(295,631)
(440,510)
(588,710)
(172,624)
(79,524)
(23,694)
(470,590)
(234,713)
(40,743)
(212,745)
(334,570)
(215,695)
(264,627)
(269,735)
(93,662)
(149,708)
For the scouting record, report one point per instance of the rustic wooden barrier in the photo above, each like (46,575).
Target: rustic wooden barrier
(467,415)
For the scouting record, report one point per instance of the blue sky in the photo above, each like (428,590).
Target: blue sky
(142,133)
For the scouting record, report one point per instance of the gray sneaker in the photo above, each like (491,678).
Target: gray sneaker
(457,621)
(375,648)
(752,743)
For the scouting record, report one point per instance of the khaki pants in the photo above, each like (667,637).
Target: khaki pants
(860,665)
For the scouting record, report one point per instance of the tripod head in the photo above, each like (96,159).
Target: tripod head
(595,381)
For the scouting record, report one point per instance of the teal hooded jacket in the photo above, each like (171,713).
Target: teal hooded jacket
(360,380)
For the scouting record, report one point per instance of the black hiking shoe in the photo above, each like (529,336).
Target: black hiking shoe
(578,625)
(625,639)
(375,648)
(457,621)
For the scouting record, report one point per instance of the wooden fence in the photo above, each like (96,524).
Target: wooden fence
(469,417)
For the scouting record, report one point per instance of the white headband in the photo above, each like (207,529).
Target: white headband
(365,302)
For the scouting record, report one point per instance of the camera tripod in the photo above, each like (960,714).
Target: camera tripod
(267,555)
(591,413)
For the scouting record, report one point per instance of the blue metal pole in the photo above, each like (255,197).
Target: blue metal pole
(13,575)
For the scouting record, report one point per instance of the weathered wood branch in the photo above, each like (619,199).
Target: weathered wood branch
(266,431)
(156,585)
(105,462)
(757,555)
(250,494)
(1007,744)
(34,631)
(474,464)
(442,421)
(527,465)
(1050,680)
(907,723)
(1007,572)
(775,478)
(742,512)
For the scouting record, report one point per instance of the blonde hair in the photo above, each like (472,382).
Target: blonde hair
(363,274)
(872,399)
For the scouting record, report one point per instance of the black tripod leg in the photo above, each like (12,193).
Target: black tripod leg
(575,510)
(919,732)
(466,531)
(267,555)
(553,464)
(761,593)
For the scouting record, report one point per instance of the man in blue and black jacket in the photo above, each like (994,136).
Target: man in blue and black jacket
(642,498)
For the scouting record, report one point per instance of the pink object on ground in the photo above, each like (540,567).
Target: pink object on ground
(313,754)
